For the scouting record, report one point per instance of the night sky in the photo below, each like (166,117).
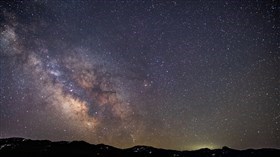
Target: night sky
(168,74)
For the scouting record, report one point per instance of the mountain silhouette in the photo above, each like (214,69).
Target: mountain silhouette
(27,147)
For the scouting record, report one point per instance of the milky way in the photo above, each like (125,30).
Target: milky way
(175,74)
(73,85)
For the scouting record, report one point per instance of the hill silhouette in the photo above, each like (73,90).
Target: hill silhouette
(27,147)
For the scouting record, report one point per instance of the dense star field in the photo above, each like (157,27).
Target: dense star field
(168,74)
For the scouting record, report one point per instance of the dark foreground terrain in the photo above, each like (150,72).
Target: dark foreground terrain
(26,147)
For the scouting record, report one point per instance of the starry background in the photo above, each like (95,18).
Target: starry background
(168,74)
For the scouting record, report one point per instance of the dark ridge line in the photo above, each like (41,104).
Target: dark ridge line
(21,139)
